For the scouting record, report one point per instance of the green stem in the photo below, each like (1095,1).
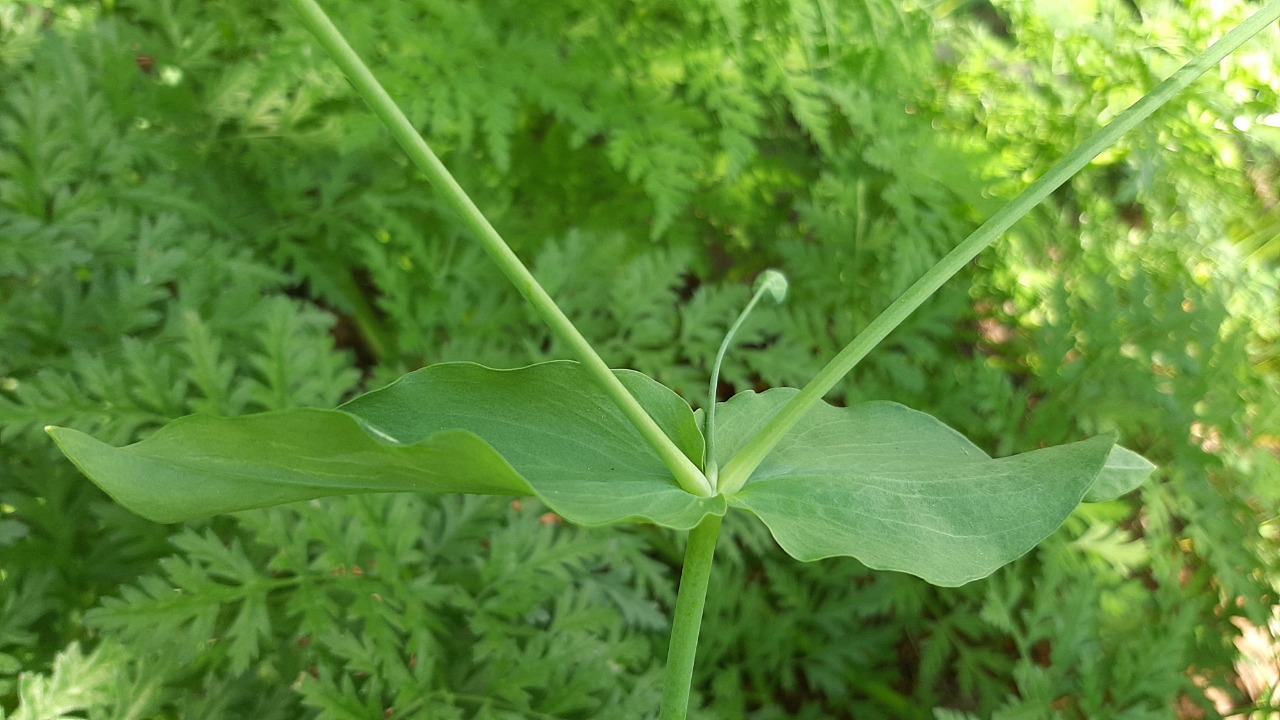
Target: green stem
(380,342)
(735,473)
(773,284)
(709,466)
(366,85)
(690,601)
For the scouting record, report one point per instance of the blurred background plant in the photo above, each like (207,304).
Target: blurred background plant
(197,216)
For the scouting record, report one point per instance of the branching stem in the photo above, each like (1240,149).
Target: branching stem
(367,86)
(739,468)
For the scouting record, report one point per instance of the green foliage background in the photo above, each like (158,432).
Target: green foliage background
(197,216)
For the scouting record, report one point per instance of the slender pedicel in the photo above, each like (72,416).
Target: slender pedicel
(773,284)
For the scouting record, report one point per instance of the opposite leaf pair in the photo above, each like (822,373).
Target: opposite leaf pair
(890,486)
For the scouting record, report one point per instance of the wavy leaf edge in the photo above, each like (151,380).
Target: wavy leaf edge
(509,480)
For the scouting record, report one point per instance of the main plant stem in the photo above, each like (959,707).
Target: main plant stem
(690,600)
(367,86)
(734,474)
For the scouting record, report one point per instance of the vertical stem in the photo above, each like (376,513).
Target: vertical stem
(367,86)
(690,601)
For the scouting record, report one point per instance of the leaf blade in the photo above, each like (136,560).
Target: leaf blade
(544,411)
(543,430)
(199,465)
(899,490)
(1124,471)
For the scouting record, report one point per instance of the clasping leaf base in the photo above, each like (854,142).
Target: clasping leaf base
(891,486)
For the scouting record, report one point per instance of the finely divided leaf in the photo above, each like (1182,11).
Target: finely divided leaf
(899,490)
(544,430)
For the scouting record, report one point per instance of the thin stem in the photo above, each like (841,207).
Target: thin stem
(709,466)
(687,623)
(773,284)
(366,85)
(735,473)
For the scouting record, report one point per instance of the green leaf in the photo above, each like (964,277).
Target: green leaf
(1124,471)
(899,490)
(202,465)
(546,430)
(557,429)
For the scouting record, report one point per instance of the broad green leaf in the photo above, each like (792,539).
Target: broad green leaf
(1124,471)
(559,431)
(899,490)
(201,465)
(544,430)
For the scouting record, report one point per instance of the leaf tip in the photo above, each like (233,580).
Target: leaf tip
(1122,472)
